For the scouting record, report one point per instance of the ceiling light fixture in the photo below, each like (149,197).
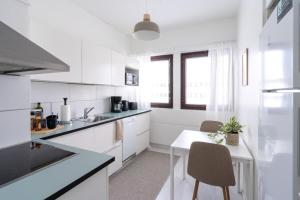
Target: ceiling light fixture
(146,29)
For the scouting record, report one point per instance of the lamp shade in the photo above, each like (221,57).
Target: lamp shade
(146,30)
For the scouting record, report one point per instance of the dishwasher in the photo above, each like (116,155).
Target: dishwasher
(129,137)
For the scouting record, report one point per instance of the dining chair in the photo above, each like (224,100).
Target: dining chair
(210,126)
(211,164)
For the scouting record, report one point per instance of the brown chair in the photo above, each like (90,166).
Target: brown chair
(210,126)
(211,164)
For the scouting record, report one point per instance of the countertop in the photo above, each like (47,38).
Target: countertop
(54,180)
(80,125)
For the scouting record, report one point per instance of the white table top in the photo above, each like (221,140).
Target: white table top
(187,137)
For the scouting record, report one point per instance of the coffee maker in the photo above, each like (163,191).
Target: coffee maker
(116,104)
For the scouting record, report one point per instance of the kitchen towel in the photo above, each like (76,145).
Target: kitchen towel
(120,130)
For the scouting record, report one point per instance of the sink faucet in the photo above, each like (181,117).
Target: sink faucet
(86,111)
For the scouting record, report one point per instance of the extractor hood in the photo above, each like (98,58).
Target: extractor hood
(20,56)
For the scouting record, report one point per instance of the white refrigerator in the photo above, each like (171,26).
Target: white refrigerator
(278,140)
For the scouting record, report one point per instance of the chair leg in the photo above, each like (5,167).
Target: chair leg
(227,192)
(196,190)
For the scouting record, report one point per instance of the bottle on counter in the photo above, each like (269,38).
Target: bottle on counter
(39,121)
(39,106)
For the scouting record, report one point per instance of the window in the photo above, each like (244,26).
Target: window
(161,78)
(195,80)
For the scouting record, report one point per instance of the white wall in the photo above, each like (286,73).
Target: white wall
(250,21)
(166,124)
(188,37)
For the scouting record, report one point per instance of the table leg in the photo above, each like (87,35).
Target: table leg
(239,176)
(171,174)
(251,180)
(183,165)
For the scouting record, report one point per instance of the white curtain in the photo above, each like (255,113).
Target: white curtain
(222,78)
(143,93)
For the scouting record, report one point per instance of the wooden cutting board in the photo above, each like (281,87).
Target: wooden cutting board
(46,130)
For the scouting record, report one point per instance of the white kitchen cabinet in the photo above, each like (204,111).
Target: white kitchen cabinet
(116,151)
(79,139)
(100,139)
(143,132)
(143,141)
(143,122)
(103,137)
(104,142)
(118,63)
(93,188)
(61,45)
(96,64)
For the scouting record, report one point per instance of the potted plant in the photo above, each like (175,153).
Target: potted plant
(231,131)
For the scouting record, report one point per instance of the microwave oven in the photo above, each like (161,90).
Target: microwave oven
(131,77)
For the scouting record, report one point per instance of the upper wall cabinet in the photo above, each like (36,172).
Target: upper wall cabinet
(96,64)
(118,68)
(132,62)
(61,45)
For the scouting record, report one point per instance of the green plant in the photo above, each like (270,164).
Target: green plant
(233,126)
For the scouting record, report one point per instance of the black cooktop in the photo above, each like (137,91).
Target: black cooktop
(23,159)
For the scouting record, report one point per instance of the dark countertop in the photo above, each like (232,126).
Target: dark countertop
(54,180)
(80,125)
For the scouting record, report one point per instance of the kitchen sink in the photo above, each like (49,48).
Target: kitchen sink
(96,118)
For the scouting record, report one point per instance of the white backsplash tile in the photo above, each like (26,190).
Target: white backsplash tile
(82,92)
(128,93)
(48,92)
(104,92)
(79,97)
(56,108)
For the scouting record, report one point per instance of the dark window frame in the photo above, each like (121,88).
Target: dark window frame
(185,56)
(168,57)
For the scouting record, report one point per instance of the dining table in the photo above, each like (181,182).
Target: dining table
(240,155)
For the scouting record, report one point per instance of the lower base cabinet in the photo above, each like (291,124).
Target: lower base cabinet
(93,188)
(117,164)
(142,141)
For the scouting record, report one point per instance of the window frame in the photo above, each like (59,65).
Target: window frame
(168,57)
(185,56)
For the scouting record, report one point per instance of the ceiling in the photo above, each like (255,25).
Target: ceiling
(169,14)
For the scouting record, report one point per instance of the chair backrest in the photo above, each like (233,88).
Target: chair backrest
(211,164)
(210,126)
